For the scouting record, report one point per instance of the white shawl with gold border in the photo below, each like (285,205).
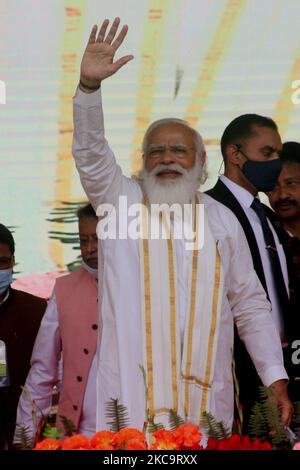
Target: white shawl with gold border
(179,373)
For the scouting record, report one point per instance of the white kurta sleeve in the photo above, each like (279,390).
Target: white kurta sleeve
(252,311)
(100,175)
(43,374)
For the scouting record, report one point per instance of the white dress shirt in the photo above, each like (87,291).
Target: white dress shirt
(245,199)
(45,373)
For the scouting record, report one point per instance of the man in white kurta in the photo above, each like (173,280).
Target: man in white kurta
(125,340)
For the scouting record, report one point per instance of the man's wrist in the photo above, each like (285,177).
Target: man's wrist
(279,385)
(88,87)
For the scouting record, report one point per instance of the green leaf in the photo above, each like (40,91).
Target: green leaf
(68,425)
(214,429)
(257,424)
(175,420)
(75,264)
(53,432)
(265,421)
(23,439)
(66,213)
(296,419)
(152,426)
(118,415)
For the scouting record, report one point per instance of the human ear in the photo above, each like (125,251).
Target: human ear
(233,154)
(202,158)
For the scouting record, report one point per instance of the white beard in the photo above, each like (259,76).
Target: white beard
(180,190)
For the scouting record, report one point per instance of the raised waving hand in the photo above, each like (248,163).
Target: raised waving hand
(98,59)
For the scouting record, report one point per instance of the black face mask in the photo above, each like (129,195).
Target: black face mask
(262,175)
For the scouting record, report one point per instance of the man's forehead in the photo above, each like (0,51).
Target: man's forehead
(88,225)
(4,250)
(172,132)
(290,170)
(266,134)
(170,142)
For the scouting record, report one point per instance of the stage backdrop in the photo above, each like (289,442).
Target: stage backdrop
(204,61)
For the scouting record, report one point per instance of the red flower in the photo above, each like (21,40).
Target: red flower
(48,444)
(164,440)
(77,442)
(245,443)
(103,440)
(212,444)
(232,443)
(258,445)
(188,437)
(237,442)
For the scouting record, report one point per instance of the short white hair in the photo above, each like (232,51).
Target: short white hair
(200,149)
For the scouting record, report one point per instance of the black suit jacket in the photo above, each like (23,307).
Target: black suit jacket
(245,370)
(222,194)
(20,317)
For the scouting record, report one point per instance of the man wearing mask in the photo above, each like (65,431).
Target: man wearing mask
(69,330)
(20,317)
(250,147)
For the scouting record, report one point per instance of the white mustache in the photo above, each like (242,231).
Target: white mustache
(171,167)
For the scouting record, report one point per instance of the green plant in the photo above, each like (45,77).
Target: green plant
(118,415)
(214,429)
(175,420)
(265,421)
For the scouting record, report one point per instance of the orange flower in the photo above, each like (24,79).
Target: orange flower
(188,437)
(136,444)
(124,435)
(164,440)
(77,442)
(48,444)
(103,440)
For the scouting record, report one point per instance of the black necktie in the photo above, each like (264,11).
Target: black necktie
(273,256)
